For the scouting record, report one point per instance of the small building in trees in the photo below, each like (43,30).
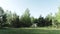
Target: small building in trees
(34,25)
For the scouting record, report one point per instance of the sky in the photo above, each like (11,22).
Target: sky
(36,7)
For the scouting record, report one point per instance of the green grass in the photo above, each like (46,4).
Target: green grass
(29,31)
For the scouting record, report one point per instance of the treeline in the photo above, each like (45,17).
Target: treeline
(9,19)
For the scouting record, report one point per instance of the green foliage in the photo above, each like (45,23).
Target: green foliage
(1,11)
(9,17)
(32,20)
(26,20)
(4,18)
(15,21)
(58,15)
(41,21)
(1,17)
(49,19)
(57,18)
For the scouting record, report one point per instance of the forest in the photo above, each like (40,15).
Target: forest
(9,19)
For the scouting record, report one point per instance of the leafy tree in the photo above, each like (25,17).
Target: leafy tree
(4,19)
(41,21)
(36,20)
(1,17)
(1,11)
(9,18)
(57,17)
(48,20)
(15,21)
(25,19)
(32,20)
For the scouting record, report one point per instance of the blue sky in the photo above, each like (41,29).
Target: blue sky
(36,7)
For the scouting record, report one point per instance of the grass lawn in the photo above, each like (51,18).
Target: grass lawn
(29,31)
